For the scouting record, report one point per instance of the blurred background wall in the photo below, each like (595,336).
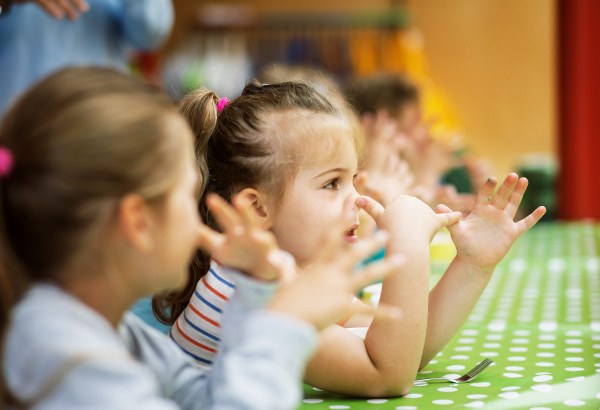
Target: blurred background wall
(492,71)
(495,60)
(492,62)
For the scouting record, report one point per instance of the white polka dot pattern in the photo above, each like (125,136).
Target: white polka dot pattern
(538,319)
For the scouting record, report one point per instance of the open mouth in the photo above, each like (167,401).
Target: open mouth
(350,235)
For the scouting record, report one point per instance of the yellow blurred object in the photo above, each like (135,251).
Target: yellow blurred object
(371,294)
(441,249)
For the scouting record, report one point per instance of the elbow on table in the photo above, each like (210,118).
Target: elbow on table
(390,387)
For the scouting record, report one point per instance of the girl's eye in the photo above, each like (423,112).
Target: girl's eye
(333,184)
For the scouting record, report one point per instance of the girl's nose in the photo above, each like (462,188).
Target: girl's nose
(350,202)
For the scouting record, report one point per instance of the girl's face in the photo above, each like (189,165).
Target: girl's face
(321,194)
(177,221)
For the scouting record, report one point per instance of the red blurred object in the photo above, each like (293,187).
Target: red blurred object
(147,65)
(579,108)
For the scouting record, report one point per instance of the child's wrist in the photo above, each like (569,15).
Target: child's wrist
(475,268)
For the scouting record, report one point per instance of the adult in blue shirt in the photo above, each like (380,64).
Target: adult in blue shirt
(36,38)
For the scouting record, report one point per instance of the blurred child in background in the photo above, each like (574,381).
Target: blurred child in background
(390,100)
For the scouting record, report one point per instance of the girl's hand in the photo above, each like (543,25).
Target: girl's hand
(243,245)
(322,293)
(407,216)
(485,236)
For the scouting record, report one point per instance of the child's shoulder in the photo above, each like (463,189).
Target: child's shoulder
(49,329)
(48,319)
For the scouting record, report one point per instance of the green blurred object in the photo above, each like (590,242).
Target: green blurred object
(192,78)
(460,178)
(541,171)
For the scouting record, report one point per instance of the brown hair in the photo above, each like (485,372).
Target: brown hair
(81,139)
(382,91)
(248,147)
(325,84)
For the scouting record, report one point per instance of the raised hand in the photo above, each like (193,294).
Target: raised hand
(485,236)
(321,293)
(387,175)
(243,244)
(407,216)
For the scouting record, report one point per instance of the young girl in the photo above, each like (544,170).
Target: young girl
(290,153)
(98,191)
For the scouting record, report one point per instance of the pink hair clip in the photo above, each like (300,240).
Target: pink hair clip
(222,103)
(6,162)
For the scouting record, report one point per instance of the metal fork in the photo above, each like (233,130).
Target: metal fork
(467,377)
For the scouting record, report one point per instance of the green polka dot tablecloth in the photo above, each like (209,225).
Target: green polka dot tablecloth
(539,320)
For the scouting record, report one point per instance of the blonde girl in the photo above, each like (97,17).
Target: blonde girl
(290,153)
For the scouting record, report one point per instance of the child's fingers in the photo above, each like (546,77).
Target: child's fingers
(486,191)
(505,191)
(524,224)
(516,197)
(285,264)
(246,212)
(224,214)
(447,216)
(376,271)
(441,208)
(208,239)
(365,248)
(372,207)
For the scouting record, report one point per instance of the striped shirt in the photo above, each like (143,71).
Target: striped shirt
(197,331)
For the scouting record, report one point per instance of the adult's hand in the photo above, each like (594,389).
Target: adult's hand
(61,8)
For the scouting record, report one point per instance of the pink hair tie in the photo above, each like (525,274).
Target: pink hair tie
(222,103)
(6,162)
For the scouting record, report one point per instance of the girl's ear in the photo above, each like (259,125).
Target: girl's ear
(135,221)
(260,204)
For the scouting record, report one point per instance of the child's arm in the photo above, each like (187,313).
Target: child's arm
(482,239)
(386,362)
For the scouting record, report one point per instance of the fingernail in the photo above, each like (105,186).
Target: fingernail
(360,201)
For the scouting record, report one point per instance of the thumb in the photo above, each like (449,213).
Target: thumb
(208,239)
(447,216)
(441,208)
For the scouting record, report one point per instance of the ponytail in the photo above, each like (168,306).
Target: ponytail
(200,109)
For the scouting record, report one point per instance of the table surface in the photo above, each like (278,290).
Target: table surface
(539,320)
